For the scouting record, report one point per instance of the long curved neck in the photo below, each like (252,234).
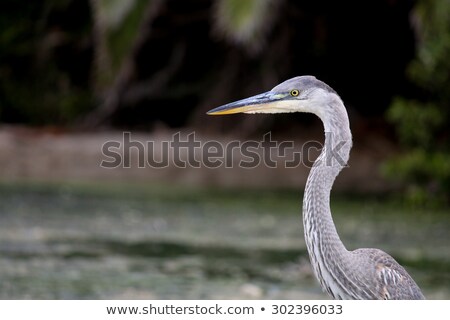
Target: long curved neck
(316,202)
(327,253)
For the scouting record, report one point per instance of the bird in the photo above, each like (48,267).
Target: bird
(361,274)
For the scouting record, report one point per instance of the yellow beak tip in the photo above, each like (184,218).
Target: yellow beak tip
(226,111)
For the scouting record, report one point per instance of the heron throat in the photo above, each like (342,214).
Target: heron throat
(327,252)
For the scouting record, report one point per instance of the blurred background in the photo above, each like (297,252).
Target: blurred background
(75,74)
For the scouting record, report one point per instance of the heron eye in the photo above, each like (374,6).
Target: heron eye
(294,93)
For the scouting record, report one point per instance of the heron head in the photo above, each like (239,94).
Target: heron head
(299,94)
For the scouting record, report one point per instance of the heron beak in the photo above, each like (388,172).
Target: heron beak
(260,103)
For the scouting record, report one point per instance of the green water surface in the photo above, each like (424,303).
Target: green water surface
(141,242)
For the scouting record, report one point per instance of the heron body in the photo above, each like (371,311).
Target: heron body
(343,274)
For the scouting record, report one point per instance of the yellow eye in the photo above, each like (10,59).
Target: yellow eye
(294,93)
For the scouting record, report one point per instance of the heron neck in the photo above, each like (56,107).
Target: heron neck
(321,236)
(316,202)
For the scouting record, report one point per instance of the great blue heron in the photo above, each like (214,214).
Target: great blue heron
(358,274)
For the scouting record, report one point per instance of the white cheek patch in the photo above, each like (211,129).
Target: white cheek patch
(285,106)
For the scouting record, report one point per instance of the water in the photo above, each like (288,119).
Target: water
(103,242)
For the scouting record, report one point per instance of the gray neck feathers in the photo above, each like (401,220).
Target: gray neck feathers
(321,236)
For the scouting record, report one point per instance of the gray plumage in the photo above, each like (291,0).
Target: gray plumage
(343,274)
